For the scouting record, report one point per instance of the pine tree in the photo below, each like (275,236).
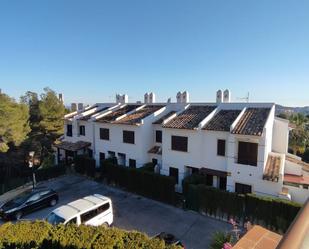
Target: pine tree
(14,124)
(52,111)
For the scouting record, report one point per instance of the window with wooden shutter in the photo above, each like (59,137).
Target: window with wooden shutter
(247,153)
(104,134)
(128,137)
(69,130)
(174,173)
(179,143)
(82,130)
(132,163)
(221,147)
(159,136)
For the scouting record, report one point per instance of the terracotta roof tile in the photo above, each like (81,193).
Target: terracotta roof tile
(296,179)
(115,114)
(222,121)
(77,112)
(155,150)
(88,116)
(190,118)
(136,117)
(252,122)
(272,168)
(166,116)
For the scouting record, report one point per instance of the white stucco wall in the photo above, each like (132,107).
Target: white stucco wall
(179,159)
(247,174)
(293,168)
(298,194)
(208,150)
(115,143)
(280,136)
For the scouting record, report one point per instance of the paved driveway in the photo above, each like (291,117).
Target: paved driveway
(132,212)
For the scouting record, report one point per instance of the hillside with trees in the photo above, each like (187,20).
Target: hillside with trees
(299,135)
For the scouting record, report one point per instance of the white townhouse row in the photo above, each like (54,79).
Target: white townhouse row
(239,147)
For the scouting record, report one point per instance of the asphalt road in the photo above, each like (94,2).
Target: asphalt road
(132,212)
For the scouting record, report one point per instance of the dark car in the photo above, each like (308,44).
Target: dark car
(169,239)
(28,202)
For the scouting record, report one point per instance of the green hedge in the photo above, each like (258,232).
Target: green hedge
(149,167)
(192,179)
(85,165)
(50,172)
(274,213)
(41,235)
(155,186)
(12,183)
(40,174)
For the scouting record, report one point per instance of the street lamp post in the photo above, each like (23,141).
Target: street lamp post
(31,160)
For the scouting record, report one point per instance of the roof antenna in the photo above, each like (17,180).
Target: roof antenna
(245,98)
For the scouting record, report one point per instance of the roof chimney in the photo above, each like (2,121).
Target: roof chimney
(185,97)
(146,98)
(227,96)
(73,107)
(60,97)
(178,97)
(122,99)
(219,96)
(152,98)
(80,106)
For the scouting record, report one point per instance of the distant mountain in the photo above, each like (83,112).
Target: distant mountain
(290,110)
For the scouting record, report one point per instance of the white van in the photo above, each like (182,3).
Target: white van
(94,210)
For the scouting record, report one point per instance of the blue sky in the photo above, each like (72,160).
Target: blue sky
(90,50)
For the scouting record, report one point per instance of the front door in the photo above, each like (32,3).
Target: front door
(209,180)
(90,153)
(222,183)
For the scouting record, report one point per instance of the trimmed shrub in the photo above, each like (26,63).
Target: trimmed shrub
(85,165)
(192,179)
(41,235)
(155,186)
(219,239)
(274,213)
(149,167)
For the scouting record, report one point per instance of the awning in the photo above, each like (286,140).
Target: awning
(207,171)
(272,168)
(69,146)
(155,150)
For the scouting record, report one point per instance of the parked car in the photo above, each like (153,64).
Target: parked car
(28,202)
(94,210)
(169,239)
